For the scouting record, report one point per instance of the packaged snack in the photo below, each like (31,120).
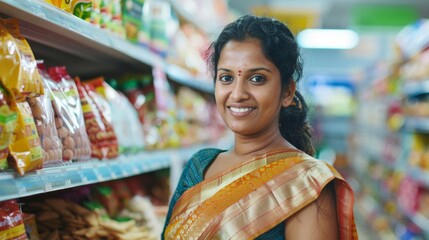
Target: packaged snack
(140,91)
(69,116)
(26,154)
(44,118)
(8,117)
(127,126)
(107,141)
(132,15)
(11,221)
(82,9)
(31,226)
(99,129)
(62,4)
(18,68)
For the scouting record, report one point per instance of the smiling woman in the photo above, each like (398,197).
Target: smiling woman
(267,186)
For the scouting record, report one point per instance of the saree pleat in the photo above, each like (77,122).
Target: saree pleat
(257,195)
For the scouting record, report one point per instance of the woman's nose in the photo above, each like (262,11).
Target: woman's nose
(239,92)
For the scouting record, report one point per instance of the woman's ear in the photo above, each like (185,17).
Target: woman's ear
(288,94)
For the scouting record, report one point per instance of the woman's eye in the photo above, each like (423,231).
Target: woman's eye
(225,78)
(257,79)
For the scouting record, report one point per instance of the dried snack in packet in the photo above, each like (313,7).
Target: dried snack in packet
(18,68)
(44,118)
(25,152)
(69,116)
(8,117)
(11,221)
(127,126)
(98,127)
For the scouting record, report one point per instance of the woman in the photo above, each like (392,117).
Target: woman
(267,186)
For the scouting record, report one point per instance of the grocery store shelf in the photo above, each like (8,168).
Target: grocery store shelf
(181,76)
(85,49)
(417,124)
(82,173)
(416,88)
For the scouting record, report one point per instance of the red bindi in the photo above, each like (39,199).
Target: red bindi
(239,72)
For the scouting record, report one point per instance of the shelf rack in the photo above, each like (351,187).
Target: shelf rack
(73,174)
(69,40)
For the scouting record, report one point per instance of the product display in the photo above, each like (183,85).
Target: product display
(393,154)
(82,159)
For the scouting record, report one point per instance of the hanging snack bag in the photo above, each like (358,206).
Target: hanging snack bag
(44,118)
(69,117)
(107,140)
(18,68)
(128,128)
(11,221)
(8,118)
(26,154)
(99,130)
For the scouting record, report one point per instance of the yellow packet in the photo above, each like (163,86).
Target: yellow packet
(18,67)
(26,154)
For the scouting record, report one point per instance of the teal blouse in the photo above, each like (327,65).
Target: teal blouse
(193,173)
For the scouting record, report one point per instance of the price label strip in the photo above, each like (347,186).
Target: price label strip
(29,184)
(53,180)
(8,187)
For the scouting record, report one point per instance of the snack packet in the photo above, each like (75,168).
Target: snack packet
(100,131)
(11,221)
(69,116)
(18,68)
(26,154)
(127,126)
(44,118)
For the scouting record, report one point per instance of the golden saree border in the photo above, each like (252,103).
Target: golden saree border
(259,199)
(207,188)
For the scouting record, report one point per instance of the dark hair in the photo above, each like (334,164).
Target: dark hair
(280,47)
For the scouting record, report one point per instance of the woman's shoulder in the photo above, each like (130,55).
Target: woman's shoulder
(204,156)
(195,167)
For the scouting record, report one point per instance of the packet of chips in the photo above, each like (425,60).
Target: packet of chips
(18,68)
(11,221)
(98,124)
(26,154)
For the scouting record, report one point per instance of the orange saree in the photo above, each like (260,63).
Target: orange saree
(257,195)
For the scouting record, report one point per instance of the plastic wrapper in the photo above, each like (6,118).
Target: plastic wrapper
(82,9)
(25,152)
(65,5)
(69,119)
(8,117)
(31,226)
(97,122)
(127,126)
(18,68)
(11,221)
(44,118)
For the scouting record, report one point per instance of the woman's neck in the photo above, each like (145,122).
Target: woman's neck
(255,145)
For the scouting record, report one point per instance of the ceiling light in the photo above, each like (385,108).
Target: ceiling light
(327,38)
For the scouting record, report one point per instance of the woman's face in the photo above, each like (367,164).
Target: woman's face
(248,88)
